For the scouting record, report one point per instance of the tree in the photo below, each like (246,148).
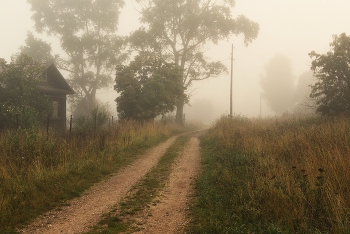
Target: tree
(302,92)
(21,103)
(331,92)
(277,84)
(178,30)
(86,29)
(38,49)
(148,87)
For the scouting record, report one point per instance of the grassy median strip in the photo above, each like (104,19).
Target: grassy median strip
(143,194)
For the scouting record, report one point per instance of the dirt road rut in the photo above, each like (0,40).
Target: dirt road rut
(169,215)
(86,210)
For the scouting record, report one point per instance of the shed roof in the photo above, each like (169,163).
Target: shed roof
(55,81)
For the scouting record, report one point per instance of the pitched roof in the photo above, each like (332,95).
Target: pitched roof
(55,81)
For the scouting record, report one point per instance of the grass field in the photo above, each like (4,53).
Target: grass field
(39,172)
(288,175)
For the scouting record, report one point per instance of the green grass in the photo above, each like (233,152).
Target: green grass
(121,219)
(38,173)
(223,194)
(274,176)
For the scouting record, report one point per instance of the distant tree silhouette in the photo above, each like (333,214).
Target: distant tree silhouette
(278,84)
(303,103)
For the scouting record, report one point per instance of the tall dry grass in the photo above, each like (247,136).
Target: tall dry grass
(283,175)
(38,172)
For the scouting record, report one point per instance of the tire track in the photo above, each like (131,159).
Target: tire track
(169,215)
(86,210)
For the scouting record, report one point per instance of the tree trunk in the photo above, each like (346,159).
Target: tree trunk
(179,112)
(91,101)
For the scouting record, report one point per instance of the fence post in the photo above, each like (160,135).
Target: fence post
(47,126)
(70,125)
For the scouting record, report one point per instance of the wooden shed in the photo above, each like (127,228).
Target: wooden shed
(54,85)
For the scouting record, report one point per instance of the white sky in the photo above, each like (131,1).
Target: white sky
(291,27)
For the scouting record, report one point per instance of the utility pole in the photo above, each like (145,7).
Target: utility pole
(231,82)
(260,106)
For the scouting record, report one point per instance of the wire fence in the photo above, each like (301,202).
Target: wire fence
(67,126)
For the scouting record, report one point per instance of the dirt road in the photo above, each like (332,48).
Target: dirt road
(167,217)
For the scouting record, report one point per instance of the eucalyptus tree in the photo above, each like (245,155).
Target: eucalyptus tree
(87,33)
(179,30)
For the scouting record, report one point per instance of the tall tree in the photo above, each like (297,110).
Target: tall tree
(178,30)
(20,100)
(278,84)
(148,87)
(86,29)
(331,92)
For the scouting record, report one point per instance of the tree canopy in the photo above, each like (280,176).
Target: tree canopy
(278,84)
(37,49)
(21,103)
(178,30)
(331,92)
(148,87)
(86,29)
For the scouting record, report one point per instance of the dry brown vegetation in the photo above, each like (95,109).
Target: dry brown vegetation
(38,172)
(275,175)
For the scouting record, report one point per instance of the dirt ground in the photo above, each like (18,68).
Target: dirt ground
(167,217)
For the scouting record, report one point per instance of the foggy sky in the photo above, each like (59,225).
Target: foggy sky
(291,27)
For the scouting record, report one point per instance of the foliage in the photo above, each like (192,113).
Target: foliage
(278,85)
(21,103)
(96,122)
(39,50)
(275,175)
(148,87)
(332,90)
(178,30)
(86,30)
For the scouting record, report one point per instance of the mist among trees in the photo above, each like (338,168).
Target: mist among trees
(277,84)
(178,31)
(175,31)
(87,34)
(283,91)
